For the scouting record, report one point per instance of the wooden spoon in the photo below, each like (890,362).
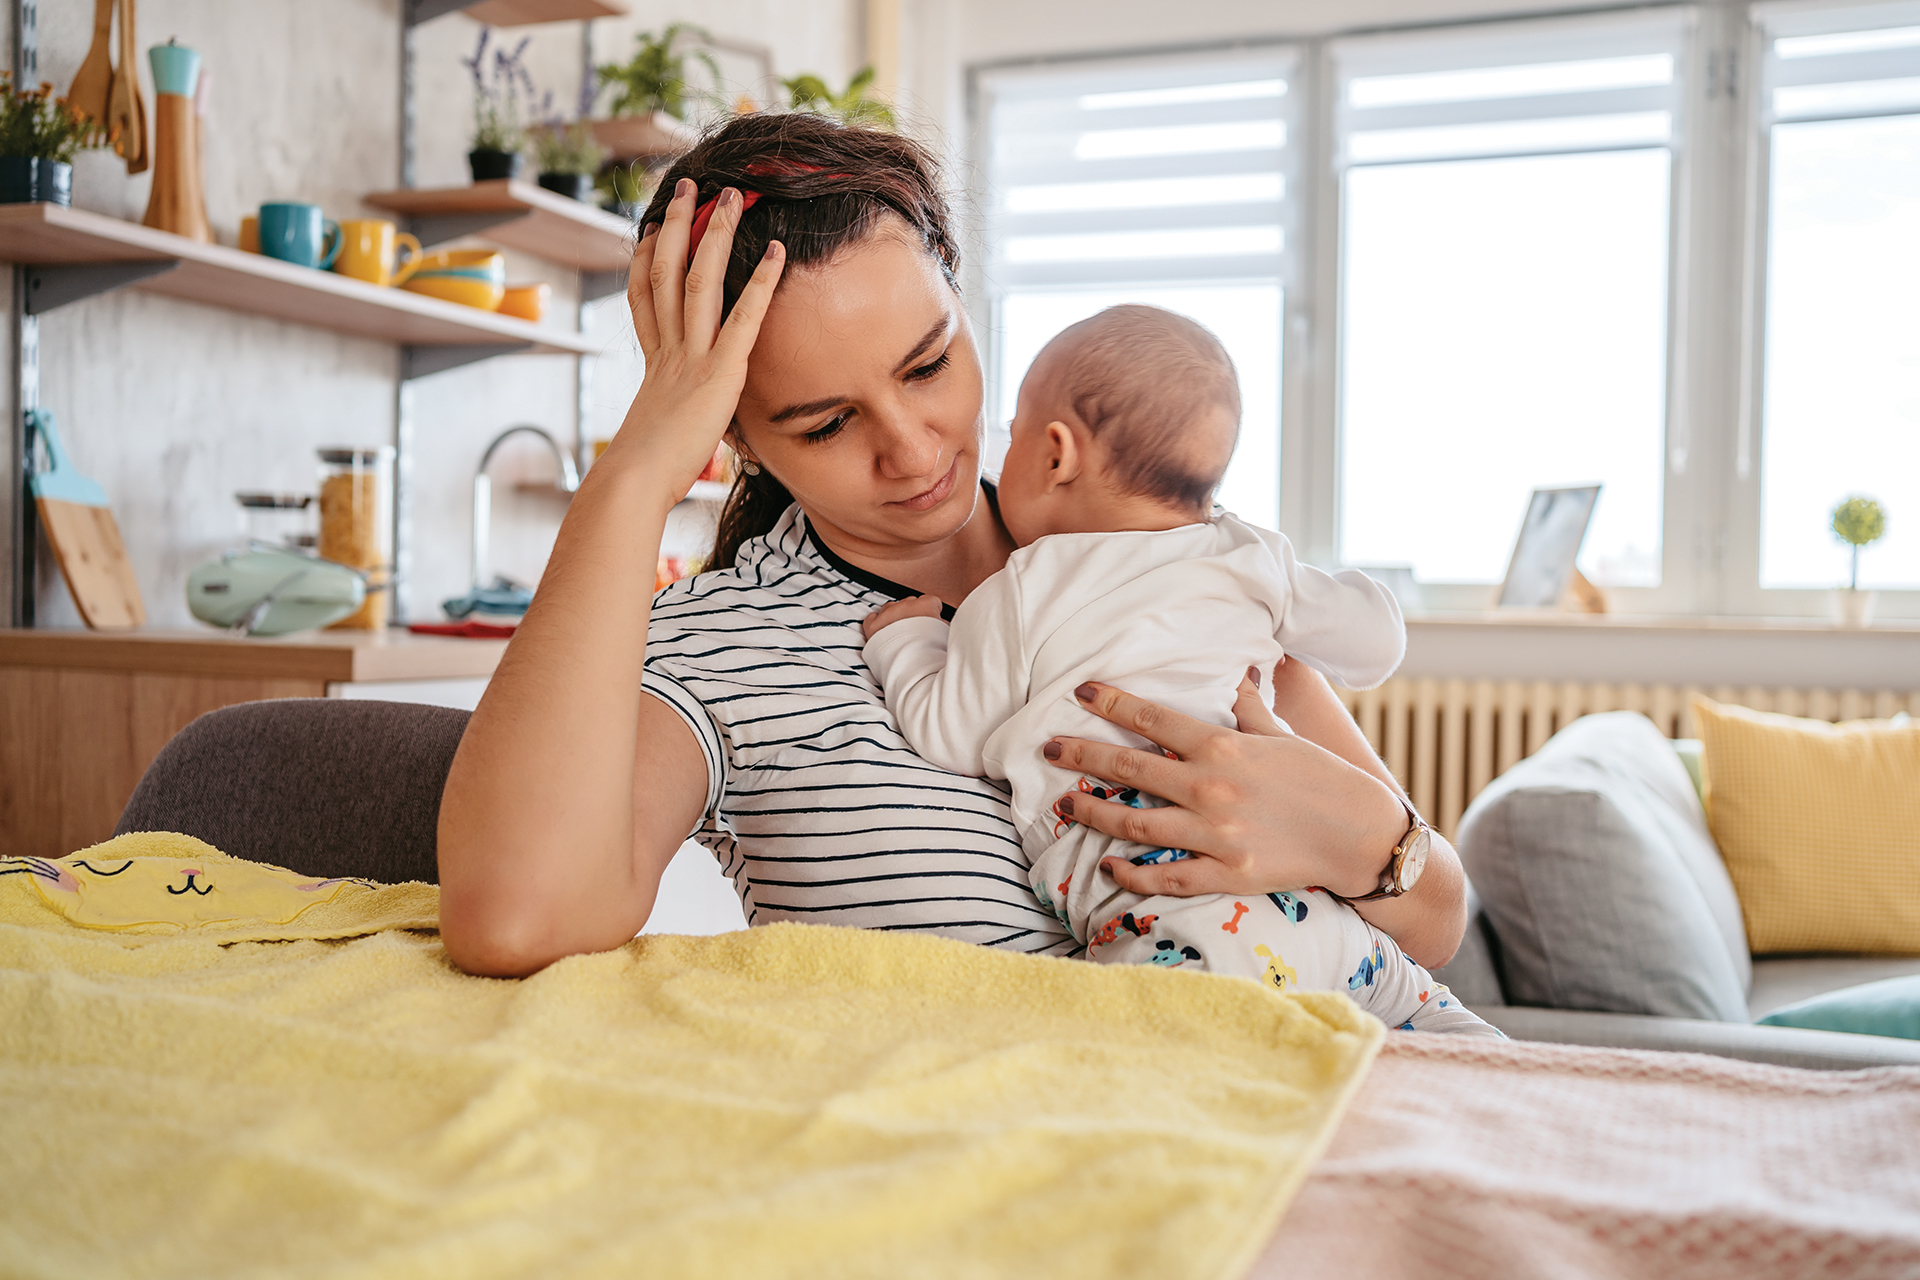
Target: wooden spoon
(93,83)
(127,113)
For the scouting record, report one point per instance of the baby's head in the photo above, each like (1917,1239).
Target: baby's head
(1125,421)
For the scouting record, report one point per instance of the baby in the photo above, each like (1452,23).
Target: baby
(1124,427)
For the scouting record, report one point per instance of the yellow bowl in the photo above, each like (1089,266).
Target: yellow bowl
(471,277)
(528,301)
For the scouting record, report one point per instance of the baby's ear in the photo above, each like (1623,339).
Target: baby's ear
(1063,453)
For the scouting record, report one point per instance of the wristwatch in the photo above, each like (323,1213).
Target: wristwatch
(1408,860)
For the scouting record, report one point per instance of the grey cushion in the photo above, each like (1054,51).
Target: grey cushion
(321,786)
(1601,883)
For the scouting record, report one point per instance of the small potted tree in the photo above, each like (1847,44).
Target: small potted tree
(1857,522)
(39,136)
(502,91)
(652,94)
(569,156)
(853,105)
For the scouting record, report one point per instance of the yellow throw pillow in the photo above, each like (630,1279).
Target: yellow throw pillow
(1820,827)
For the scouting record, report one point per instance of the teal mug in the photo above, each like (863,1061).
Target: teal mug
(300,234)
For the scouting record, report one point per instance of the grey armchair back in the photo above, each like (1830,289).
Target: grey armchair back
(322,786)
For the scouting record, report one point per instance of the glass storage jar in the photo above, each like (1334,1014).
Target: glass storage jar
(356,523)
(283,521)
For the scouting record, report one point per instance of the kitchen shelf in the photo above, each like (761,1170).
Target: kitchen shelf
(648,137)
(517,215)
(712,491)
(515,13)
(92,247)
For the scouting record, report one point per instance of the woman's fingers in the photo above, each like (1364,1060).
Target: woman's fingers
(1185,878)
(1135,767)
(706,275)
(667,275)
(1180,734)
(640,291)
(1167,828)
(742,328)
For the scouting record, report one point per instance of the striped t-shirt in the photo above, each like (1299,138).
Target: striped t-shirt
(817,808)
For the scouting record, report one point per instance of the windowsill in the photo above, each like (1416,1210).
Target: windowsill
(1797,653)
(1547,618)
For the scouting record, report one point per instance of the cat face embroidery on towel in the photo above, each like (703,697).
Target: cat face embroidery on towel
(179,892)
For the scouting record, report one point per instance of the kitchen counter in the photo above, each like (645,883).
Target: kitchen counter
(326,656)
(83,713)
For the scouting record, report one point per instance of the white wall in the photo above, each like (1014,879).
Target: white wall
(174,406)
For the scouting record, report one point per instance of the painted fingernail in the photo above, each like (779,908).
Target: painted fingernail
(684,187)
(776,250)
(1086,693)
(652,228)
(1253,674)
(1051,751)
(1064,806)
(729,198)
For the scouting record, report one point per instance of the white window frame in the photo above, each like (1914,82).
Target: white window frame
(1716,302)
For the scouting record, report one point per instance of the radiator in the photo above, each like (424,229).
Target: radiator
(1447,739)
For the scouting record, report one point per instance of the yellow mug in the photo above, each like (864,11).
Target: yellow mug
(472,277)
(250,233)
(367,251)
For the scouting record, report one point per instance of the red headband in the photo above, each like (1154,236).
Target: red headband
(748,197)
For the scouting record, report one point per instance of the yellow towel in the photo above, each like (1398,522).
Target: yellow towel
(789,1101)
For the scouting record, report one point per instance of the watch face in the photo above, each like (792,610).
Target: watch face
(1415,859)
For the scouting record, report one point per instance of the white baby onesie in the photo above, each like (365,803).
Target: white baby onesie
(1175,616)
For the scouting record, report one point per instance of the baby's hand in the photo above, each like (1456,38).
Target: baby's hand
(912,607)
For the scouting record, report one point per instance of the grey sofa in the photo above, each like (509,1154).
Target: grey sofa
(1603,914)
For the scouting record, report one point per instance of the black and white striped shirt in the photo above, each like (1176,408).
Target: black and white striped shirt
(817,808)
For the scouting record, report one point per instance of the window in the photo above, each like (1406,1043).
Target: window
(1840,399)
(1158,182)
(1505,220)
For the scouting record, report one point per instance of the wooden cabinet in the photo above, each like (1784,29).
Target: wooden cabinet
(82,714)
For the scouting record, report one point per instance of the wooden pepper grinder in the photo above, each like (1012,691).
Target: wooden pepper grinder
(177,204)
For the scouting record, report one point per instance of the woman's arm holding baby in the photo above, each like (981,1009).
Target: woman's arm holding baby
(1266,810)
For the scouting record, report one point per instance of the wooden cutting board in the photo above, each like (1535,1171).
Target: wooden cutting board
(85,537)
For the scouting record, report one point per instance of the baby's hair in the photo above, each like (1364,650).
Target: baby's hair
(1142,380)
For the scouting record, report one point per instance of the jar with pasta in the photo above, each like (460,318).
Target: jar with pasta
(356,524)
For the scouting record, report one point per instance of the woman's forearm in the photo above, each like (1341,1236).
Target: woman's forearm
(1429,920)
(536,836)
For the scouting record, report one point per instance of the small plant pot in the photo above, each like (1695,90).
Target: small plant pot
(33,180)
(575,186)
(1852,608)
(488,166)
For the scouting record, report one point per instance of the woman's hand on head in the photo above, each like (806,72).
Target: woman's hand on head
(1262,809)
(695,363)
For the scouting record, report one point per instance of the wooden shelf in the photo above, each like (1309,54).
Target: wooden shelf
(518,215)
(647,137)
(520,13)
(312,655)
(708,491)
(50,235)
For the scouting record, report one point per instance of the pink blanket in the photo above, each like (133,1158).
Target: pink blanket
(1481,1160)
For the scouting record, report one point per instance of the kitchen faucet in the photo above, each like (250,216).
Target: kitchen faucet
(569,482)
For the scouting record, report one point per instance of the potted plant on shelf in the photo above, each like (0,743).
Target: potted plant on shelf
(851,105)
(39,136)
(502,90)
(652,95)
(569,156)
(1857,522)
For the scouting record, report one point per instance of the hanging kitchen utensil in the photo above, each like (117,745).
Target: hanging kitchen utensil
(126,111)
(92,86)
(175,203)
(85,538)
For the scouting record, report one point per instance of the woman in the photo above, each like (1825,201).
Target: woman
(794,292)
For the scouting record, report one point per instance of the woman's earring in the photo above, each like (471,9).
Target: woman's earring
(751,468)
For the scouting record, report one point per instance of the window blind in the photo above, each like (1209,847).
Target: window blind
(1836,63)
(1135,171)
(1547,88)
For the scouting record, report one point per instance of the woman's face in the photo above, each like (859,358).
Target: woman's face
(863,396)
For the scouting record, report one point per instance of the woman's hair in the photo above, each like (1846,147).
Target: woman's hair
(824,187)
